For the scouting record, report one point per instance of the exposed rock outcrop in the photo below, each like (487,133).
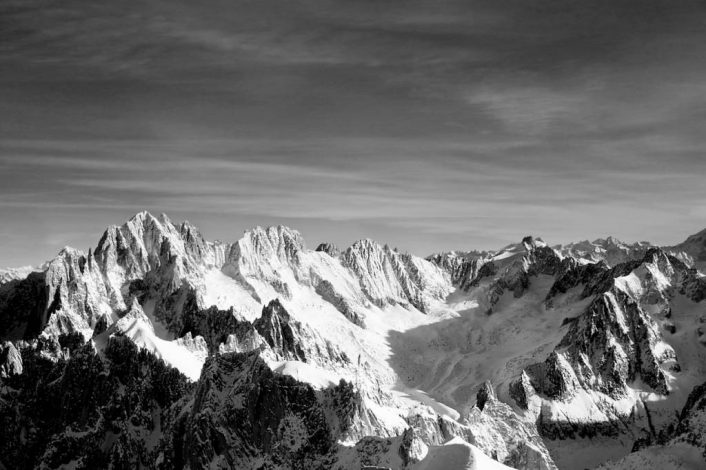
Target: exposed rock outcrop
(10,360)
(329,248)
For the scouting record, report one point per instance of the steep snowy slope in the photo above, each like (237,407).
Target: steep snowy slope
(187,356)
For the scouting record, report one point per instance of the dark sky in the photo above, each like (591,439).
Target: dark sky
(428,125)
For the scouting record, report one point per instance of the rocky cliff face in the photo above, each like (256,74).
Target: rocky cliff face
(462,267)
(290,340)
(10,360)
(388,277)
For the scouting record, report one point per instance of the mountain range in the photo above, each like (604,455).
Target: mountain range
(161,349)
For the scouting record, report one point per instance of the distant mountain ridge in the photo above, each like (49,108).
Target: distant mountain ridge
(514,351)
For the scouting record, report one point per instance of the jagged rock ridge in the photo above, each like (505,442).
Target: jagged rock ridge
(277,325)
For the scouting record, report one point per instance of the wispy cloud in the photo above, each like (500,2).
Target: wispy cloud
(458,124)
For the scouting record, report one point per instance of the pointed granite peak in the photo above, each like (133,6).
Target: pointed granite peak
(276,327)
(485,393)
(329,248)
(141,216)
(530,243)
(275,309)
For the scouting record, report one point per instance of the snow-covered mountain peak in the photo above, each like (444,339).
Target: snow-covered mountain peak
(68,263)
(138,243)
(530,243)
(69,251)
(279,241)
(364,251)
(365,244)
(527,245)
(609,240)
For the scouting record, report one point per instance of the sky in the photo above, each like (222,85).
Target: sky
(427,125)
